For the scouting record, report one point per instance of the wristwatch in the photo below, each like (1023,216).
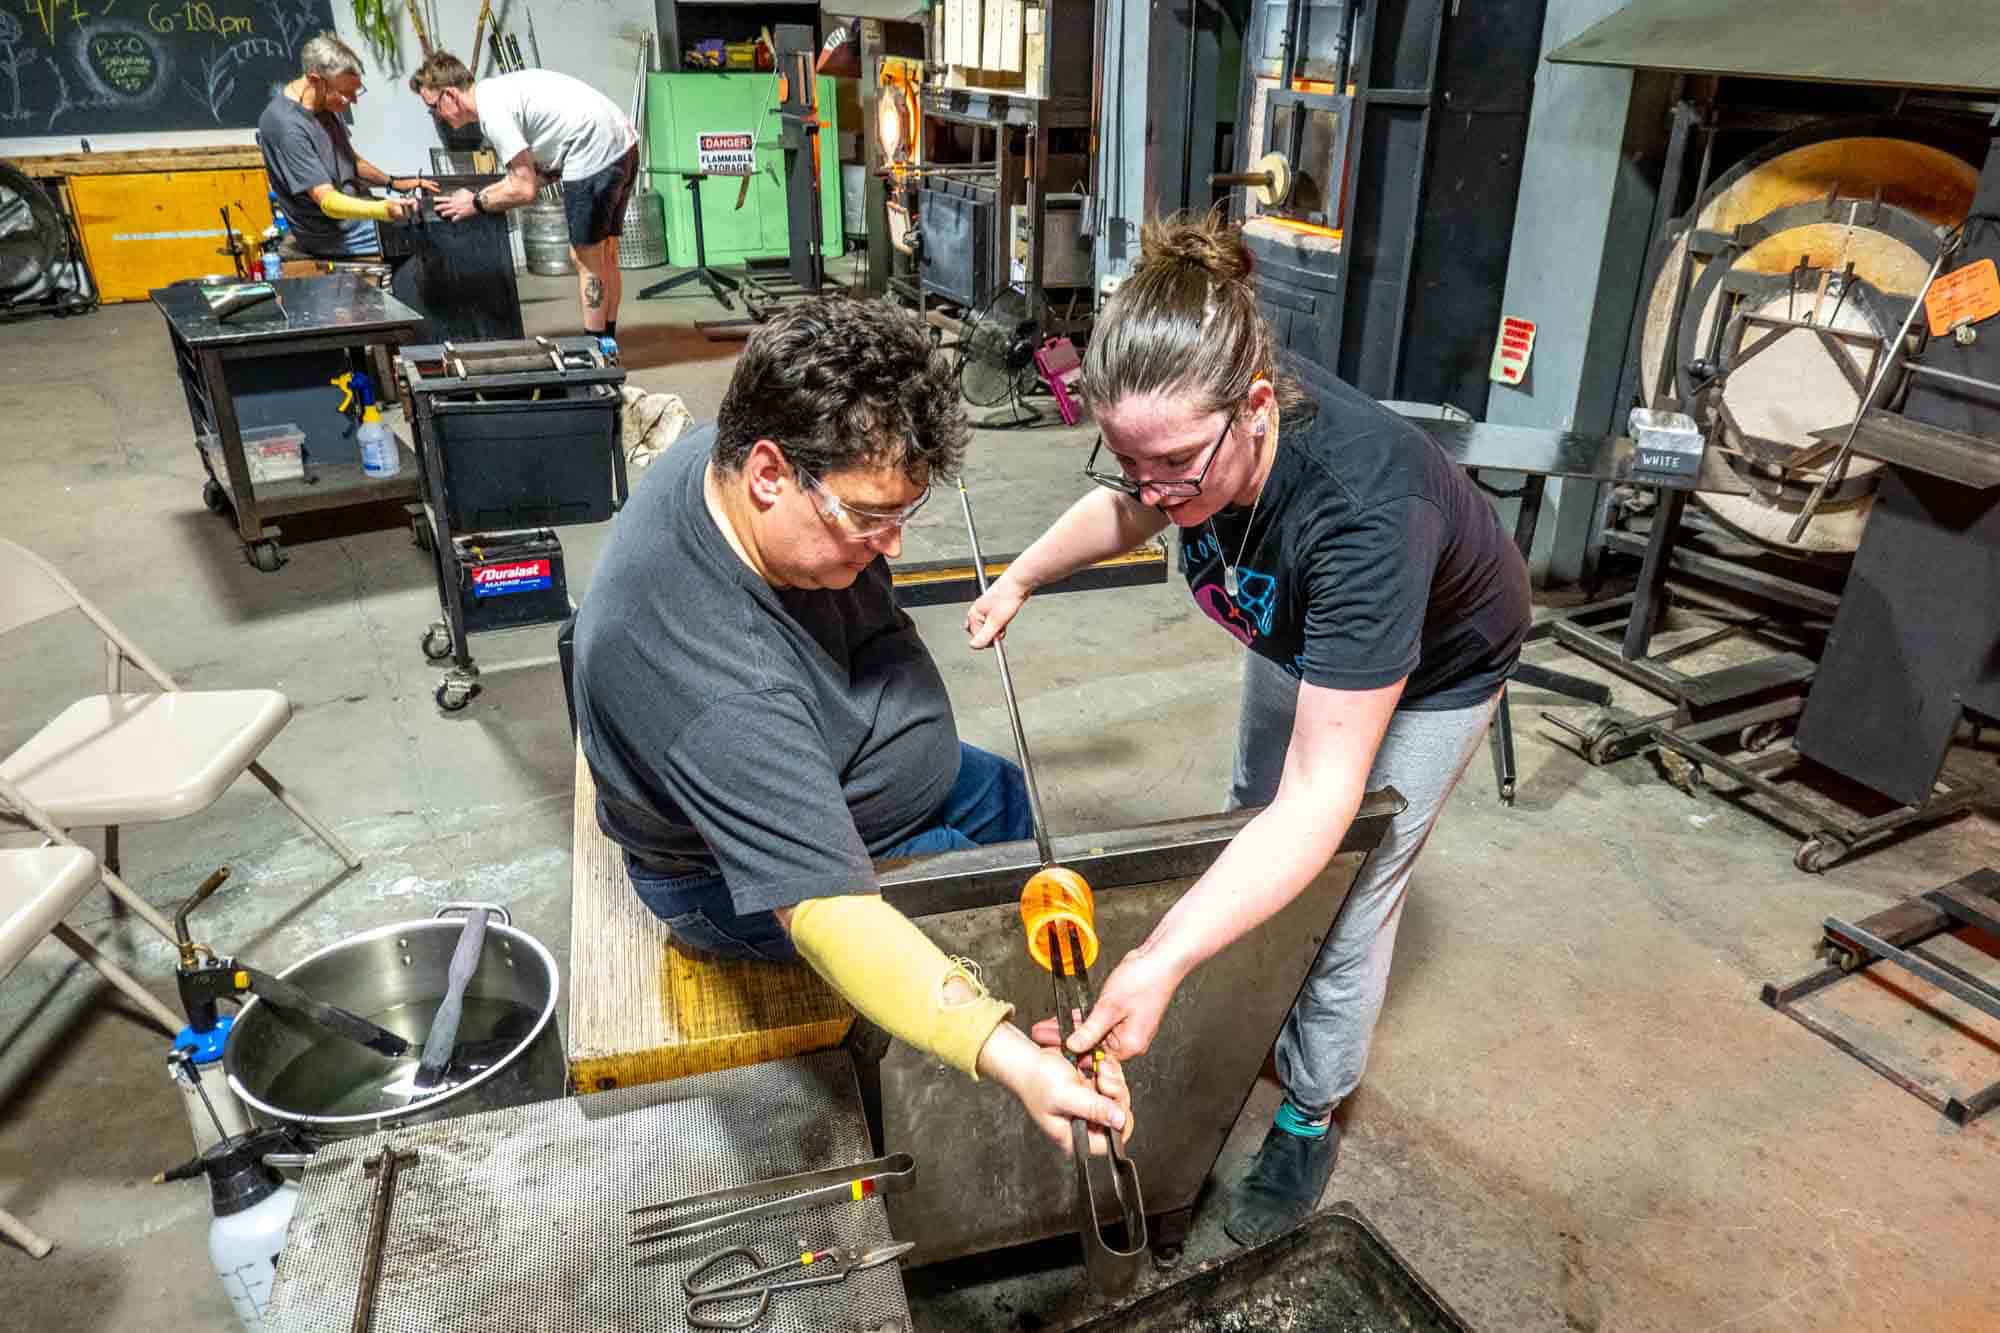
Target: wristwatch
(478,204)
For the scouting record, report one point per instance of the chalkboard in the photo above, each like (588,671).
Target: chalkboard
(124,66)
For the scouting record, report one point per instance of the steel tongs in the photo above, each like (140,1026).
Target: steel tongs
(1112,1266)
(807,1189)
(815,1268)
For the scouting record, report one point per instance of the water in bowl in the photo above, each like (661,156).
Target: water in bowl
(337,1077)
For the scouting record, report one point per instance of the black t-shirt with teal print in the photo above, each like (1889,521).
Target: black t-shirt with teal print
(1371,556)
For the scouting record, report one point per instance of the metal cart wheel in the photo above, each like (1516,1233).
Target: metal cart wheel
(1682,771)
(1759,736)
(437,641)
(1819,853)
(453,695)
(420,533)
(266,555)
(214,496)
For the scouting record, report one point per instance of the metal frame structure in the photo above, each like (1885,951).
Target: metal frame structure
(1900,935)
(449,638)
(1757,702)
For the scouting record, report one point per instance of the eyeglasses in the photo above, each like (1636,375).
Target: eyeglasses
(856,522)
(1181,487)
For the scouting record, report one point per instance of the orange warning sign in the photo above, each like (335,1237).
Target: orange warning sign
(1963,296)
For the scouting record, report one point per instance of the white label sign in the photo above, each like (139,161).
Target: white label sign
(725,154)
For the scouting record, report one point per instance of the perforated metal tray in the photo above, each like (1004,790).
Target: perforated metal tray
(515,1220)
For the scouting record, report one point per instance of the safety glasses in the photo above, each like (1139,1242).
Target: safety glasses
(853,520)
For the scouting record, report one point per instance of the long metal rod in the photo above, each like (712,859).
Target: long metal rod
(1892,357)
(384,1166)
(1977,994)
(1007,687)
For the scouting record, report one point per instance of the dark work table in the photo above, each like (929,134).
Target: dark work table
(340,303)
(270,365)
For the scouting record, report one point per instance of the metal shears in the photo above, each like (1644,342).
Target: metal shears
(813,1268)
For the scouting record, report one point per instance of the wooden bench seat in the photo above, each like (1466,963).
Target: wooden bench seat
(641,1012)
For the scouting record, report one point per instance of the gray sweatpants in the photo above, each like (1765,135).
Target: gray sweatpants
(1324,1045)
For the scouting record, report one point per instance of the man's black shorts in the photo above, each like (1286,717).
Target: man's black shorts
(595,205)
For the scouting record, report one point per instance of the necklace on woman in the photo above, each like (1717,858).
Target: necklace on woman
(1229,581)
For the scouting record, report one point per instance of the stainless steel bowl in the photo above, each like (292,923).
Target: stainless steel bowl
(286,1070)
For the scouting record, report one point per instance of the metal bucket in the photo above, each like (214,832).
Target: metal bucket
(545,238)
(644,244)
(289,1071)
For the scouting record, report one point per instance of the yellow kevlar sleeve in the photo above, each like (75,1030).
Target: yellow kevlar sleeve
(888,969)
(349,209)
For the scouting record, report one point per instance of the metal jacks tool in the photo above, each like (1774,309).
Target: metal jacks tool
(1111,1259)
(383,1166)
(814,1268)
(807,1189)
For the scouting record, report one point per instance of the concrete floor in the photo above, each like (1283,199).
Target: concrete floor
(1578,1113)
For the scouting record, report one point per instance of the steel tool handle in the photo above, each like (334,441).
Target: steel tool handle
(443,1037)
(491,909)
(333,1018)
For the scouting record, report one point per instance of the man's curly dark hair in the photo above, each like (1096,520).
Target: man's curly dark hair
(838,383)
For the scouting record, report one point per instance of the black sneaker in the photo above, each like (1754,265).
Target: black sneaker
(1283,1186)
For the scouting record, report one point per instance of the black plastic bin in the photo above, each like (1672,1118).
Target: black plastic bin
(527,464)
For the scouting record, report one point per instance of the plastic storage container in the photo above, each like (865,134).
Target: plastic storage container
(272,453)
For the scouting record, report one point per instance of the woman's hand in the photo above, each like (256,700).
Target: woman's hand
(1128,1011)
(1053,1090)
(986,620)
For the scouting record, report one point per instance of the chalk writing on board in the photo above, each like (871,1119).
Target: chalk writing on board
(121,61)
(110,66)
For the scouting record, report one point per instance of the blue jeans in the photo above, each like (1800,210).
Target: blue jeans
(988,803)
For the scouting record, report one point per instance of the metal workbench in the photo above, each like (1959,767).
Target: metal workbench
(271,365)
(516,1219)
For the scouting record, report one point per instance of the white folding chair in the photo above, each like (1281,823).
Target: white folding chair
(38,886)
(116,758)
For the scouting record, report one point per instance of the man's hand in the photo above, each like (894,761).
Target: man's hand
(986,619)
(1053,1090)
(1129,1007)
(425,184)
(456,206)
(401,210)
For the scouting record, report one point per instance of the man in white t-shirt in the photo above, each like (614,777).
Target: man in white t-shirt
(544,127)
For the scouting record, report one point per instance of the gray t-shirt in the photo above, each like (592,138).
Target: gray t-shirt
(303,150)
(782,736)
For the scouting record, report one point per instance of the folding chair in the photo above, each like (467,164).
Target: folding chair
(116,758)
(38,886)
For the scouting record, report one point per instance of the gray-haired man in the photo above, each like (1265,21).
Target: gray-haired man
(321,183)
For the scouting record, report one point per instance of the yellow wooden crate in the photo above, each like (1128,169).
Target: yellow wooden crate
(146,230)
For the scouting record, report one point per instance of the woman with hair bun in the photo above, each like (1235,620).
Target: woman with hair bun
(1383,606)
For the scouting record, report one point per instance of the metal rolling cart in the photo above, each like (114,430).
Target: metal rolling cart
(514,439)
(269,368)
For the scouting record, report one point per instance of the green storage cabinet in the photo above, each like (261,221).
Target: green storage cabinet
(683,106)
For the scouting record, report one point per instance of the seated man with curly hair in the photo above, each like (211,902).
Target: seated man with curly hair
(763,721)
